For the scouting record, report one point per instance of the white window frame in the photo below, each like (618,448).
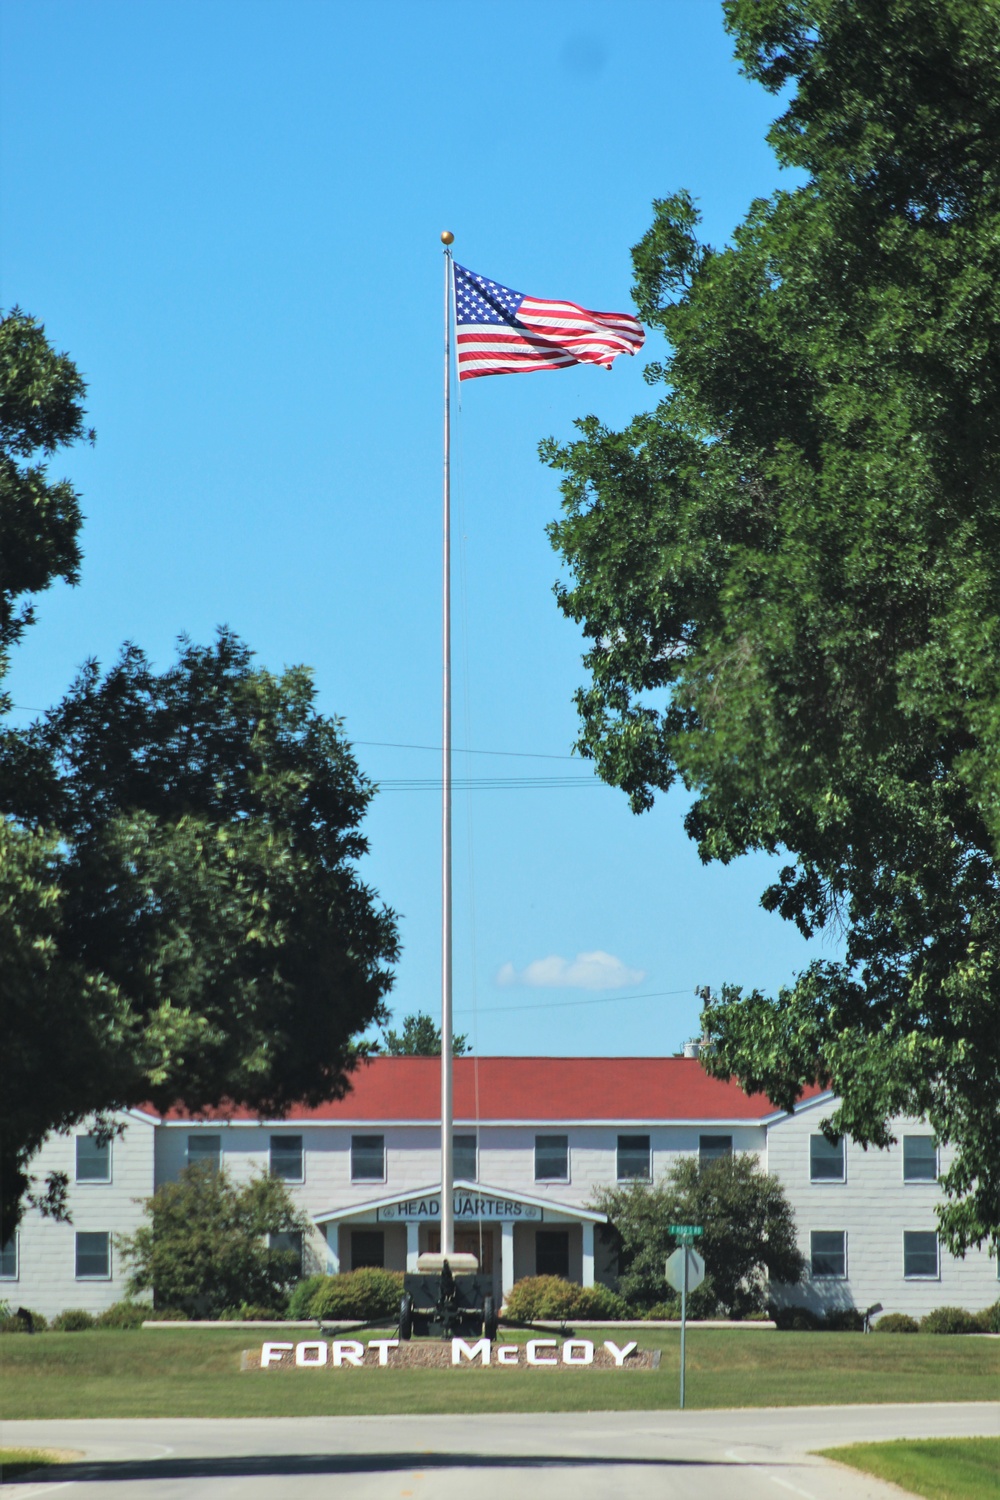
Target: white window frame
(372,1136)
(91,1276)
(88,1135)
(716,1155)
(922,1275)
(16,1237)
(210,1134)
(831,1275)
(559,1135)
(457,1135)
(828,1181)
(919,1181)
(634,1135)
(277,1135)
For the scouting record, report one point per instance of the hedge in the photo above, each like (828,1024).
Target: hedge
(551,1297)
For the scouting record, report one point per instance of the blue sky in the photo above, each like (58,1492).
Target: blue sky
(228,213)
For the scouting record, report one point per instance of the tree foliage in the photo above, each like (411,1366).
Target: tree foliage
(41,409)
(748,1240)
(198,932)
(206,1247)
(789,570)
(421,1038)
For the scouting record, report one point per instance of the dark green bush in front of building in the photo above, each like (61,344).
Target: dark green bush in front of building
(367,1294)
(551,1297)
(896,1323)
(73,1320)
(949,1320)
(300,1302)
(125,1314)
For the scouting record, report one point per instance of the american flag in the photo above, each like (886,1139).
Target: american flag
(502,332)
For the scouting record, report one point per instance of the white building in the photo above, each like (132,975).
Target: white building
(535,1138)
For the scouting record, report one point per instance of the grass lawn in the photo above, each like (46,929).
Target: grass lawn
(938,1468)
(162,1373)
(15,1463)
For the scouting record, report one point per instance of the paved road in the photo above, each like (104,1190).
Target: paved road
(711,1455)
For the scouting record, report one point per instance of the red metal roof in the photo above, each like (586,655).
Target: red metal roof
(533,1088)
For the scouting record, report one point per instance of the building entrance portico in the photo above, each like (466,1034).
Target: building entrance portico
(511,1234)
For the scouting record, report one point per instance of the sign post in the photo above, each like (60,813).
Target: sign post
(685,1271)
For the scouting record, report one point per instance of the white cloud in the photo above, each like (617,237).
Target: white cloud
(587,971)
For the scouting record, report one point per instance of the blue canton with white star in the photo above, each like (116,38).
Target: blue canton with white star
(479,300)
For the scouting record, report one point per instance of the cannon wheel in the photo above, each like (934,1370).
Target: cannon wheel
(406,1316)
(490,1316)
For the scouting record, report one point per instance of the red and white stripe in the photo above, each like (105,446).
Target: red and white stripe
(548,336)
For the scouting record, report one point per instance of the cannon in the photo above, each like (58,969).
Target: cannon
(437,1302)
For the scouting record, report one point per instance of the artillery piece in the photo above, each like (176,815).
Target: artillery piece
(446,1297)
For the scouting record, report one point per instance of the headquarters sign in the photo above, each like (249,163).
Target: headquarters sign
(466,1206)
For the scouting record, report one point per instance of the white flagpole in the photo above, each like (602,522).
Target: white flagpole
(447,1166)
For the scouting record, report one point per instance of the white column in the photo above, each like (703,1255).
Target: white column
(506,1258)
(588,1253)
(412,1244)
(332,1233)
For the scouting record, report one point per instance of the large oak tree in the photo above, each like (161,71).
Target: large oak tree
(789,570)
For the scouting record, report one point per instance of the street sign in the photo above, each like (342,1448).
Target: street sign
(686,1231)
(695,1269)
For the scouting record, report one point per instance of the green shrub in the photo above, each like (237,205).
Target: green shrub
(366,1294)
(896,1323)
(73,1320)
(988,1321)
(663,1311)
(551,1297)
(24,1320)
(301,1299)
(125,1315)
(843,1320)
(949,1320)
(251,1312)
(169,1315)
(795,1319)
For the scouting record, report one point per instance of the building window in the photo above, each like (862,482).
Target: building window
(828,1253)
(633,1157)
(286,1157)
(207,1150)
(368,1159)
(93,1159)
(714,1148)
(367,1248)
(826,1160)
(920,1254)
(289,1240)
(8,1260)
(463,1159)
(552,1158)
(93,1256)
(919,1158)
(552,1253)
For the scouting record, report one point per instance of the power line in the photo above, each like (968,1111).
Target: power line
(484,783)
(567,1004)
(517,754)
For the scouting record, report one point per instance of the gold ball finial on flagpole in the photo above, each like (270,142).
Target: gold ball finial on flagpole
(447,238)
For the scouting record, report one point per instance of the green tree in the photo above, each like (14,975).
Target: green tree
(789,571)
(748,1240)
(41,409)
(195,930)
(421,1038)
(207,1245)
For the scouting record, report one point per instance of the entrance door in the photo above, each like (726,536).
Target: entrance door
(467,1243)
